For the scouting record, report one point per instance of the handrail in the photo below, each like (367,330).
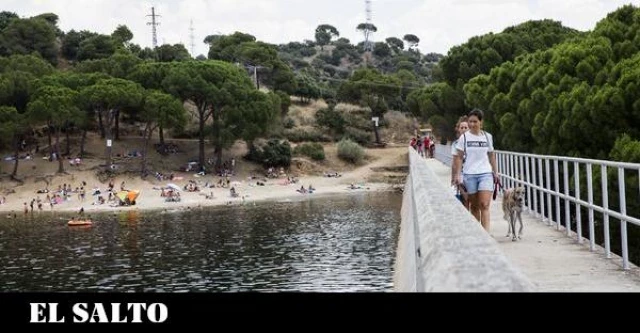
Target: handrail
(540,175)
(534,173)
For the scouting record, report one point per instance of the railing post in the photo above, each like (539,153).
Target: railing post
(528,181)
(512,174)
(623,223)
(501,167)
(535,183)
(541,184)
(520,171)
(592,227)
(605,206)
(576,177)
(557,181)
(547,166)
(567,215)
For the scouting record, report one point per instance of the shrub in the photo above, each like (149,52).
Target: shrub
(359,136)
(275,153)
(285,102)
(330,118)
(305,135)
(289,123)
(350,151)
(359,122)
(313,150)
(308,52)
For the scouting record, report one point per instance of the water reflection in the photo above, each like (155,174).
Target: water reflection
(344,243)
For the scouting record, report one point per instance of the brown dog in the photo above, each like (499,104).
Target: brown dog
(512,203)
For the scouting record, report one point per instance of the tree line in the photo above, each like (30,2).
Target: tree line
(79,81)
(551,90)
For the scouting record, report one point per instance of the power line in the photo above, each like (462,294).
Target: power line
(154,23)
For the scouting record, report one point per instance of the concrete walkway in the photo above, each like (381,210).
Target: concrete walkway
(550,259)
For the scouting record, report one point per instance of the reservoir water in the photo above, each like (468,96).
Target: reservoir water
(344,243)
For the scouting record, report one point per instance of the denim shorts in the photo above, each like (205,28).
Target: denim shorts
(481,182)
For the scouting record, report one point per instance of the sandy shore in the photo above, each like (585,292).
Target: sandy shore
(248,191)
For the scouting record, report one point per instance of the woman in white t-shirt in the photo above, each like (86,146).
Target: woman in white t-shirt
(479,170)
(461,127)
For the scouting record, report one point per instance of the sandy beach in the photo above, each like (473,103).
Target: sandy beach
(363,177)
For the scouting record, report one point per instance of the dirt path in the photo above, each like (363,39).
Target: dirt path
(388,157)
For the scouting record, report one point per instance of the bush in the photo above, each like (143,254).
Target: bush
(350,151)
(275,153)
(359,136)
(308,52)
(289,123)
(306,135)
(313,150)
(184,134)
(285,102)
(330,118)
(360,122)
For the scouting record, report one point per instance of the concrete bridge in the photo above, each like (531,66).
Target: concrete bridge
(443,248)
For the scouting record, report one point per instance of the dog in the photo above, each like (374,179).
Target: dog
(512,203)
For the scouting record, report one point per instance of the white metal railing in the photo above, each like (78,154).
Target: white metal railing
(544,193)
(443,154)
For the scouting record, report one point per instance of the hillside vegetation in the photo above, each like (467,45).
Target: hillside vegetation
(61,88)
(544,87)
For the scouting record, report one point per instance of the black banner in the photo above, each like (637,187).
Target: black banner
(273,310)
(80,309)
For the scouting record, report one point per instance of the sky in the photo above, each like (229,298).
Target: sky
(440,24)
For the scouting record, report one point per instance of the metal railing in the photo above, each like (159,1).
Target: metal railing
(443,154)
(540,176)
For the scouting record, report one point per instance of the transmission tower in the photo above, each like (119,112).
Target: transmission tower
(154,23)
(368,44)
(193,38)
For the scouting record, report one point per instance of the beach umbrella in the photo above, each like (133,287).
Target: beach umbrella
(173,187)
(133,195)
(122,195)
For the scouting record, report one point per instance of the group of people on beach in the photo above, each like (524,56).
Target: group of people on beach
(63,194)
(308,190)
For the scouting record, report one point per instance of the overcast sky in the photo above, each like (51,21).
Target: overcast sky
(440,24)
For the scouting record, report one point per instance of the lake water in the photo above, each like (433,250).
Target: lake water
(331,244)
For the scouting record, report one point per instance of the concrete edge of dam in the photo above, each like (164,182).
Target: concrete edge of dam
(442,248)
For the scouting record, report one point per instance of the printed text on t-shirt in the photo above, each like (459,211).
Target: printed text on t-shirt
(477,144)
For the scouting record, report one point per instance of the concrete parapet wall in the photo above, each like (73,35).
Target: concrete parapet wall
(442,247)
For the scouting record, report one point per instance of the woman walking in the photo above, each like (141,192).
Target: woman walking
(479,170)
(461,127)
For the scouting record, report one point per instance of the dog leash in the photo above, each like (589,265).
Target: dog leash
(497,185)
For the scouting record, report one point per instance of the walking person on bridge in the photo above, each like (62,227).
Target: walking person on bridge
(477,160)
(461,127)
